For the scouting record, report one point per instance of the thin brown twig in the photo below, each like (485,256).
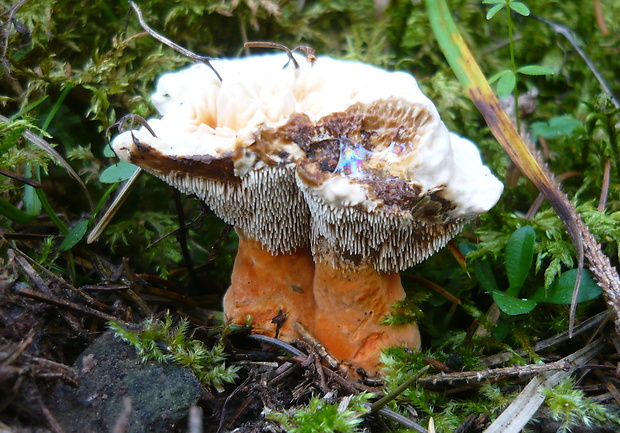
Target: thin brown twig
(51,421)
(63,303)
(187,53)
(316,345)
(20,178)
(308,51)
(600,20)
(517,370)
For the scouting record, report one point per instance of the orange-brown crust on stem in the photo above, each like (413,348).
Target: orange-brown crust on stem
(350,306)
(263,284)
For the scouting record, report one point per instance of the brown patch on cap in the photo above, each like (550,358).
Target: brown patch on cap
(203,166)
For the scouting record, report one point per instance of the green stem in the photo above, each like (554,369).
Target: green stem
(398,390)
(50,212)
(56,107)
(513,64)
(14,214)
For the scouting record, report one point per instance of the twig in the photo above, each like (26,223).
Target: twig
(279,343)
(187,53)
(120,198)
(91,301)
(517,370)
(17,351)
(308,51)
(600,21)
(51,299)
(316,345)
(22,179)
(51,421)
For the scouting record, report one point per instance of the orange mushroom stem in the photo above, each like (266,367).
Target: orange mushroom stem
(274,291)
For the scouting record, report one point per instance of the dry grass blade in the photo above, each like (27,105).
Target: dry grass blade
(41,143)
(471,77)
(523,408)
(105,220)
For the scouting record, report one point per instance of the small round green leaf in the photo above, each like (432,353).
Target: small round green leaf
(74,236)
(520,8)
(506,84)
(495,9)
(561,290)
(511,305)
(117,172)
(519,254)
(535,70)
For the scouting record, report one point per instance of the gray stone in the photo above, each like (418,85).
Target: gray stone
(109,370)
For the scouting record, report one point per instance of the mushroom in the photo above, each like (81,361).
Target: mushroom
(336,176)
(202,146)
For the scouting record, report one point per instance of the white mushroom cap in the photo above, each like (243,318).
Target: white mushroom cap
(237,143)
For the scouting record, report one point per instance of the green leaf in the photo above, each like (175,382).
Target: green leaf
(495,9)
(556,127)
(494,2)
(74,236)
(506,84)
(499,75)
(561,290)
(519,8)
(519,254)
(535,70)
(118,172)
(484,274)
(511,305)
(108,152)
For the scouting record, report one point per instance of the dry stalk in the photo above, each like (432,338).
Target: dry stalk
(517,370)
